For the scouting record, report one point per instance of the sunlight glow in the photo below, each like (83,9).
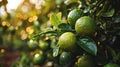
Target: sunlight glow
(2,11)
(12,5)
(38,3)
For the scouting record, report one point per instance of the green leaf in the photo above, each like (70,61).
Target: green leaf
(55,51)
(88,45)
(59,15)
(64,27)
(87,9)
(55,19)
(109,14)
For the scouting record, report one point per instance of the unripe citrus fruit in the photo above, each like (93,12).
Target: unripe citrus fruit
(38,58)
(73,16)
(43,45)
(32,44)
(85,26)
(65,58)
(67,41)
(85,61)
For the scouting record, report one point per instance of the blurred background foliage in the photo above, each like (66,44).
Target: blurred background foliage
(30,17)
(19,20)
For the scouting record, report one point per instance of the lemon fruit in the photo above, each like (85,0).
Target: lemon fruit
(73,16)
(43,45)
(65,58)
(85,61)
(32,44)
(38,58)
(85,26)
(67,41)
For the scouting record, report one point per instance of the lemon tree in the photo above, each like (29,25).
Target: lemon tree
(83,27)
(65,28)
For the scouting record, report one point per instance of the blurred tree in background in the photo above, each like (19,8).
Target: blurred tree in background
(30,31)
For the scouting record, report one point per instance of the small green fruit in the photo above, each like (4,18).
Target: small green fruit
(38,58)
(85,26)
(73,16)
(67,41)
(65,58)
(85,61)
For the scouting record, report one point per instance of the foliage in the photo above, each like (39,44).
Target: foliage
(25,30)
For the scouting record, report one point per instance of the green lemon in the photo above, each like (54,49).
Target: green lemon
(85,61)
(65,58)
(32,44)
(85,26)
(43,45)
(67,41)
(38,58)
(111,65)
(73,16)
